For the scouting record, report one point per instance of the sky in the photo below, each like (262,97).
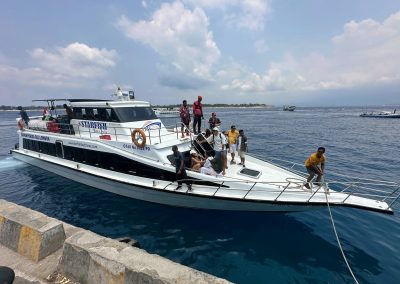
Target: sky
(277,52)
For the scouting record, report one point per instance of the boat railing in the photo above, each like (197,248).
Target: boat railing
(118,133)
(339,191)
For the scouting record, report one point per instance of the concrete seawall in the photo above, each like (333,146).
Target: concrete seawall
(41,249)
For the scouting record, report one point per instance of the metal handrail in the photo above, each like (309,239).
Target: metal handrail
(118,136)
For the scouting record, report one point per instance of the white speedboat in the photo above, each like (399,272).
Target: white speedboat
(289,108)
(122,147)
(166,112)
(381,114)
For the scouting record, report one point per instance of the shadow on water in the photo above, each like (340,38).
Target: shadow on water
(244,247)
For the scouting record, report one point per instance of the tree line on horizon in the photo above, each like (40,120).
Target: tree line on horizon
(6,107)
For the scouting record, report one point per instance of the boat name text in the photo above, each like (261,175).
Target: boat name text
(93,124)
(36,137)
(82,144)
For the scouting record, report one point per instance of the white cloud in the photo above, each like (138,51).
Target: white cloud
(366,53)
(249,14)
(180,36)
(254,13)
(68,66)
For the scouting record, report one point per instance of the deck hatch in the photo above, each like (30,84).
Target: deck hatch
(250,172)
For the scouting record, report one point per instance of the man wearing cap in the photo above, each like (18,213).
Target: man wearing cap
(214,121)
(197,114)
(218,140)
(232,138)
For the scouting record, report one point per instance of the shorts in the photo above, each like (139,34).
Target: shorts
(241,154)
(232,148)
(311,170)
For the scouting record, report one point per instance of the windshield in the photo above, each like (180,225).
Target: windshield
(128,114)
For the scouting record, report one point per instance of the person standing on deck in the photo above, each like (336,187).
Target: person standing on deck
(218,140)
(214,121)
(185,117)
(180,168)
(197,114)
(312,162)
(23,115)
(242,147)
(233,134)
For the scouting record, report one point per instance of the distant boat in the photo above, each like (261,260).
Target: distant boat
(381,114)
(289,108)
(166,112)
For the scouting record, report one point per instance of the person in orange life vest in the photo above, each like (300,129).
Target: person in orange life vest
(312,162)
(185,117)
(197,114)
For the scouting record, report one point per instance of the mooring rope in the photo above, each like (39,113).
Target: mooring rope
(337,239)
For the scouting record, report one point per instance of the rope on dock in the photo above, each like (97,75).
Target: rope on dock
(338,241)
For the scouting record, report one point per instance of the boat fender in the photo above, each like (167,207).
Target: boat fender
(21,124)
(136,135)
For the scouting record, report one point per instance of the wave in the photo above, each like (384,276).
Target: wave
(10,163)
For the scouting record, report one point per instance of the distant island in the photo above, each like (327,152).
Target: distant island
(219,106)
(14,108)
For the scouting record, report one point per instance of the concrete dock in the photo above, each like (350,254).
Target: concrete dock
(41,249)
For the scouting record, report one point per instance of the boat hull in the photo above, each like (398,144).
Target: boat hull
(161,196)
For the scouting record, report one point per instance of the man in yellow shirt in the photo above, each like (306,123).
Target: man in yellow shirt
(233,135)
(312,162)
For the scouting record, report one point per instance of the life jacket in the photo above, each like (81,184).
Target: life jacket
(197,109)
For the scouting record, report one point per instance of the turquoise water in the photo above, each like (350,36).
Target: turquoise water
(245,247)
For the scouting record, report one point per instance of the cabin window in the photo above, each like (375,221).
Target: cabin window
(89,114)
(77,112)
(128,114)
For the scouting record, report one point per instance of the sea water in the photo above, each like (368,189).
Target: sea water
(245,247)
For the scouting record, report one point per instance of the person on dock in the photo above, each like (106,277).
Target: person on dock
(233,135)
(181,175)
(197,114)
(24,115)
(185,117)
(214,121)
(312,162)
(242,147)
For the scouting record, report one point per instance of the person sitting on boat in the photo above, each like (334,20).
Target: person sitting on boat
(181,175)
(24,115)
(196,161)
(218,140)
(233,135)
(242,147)
(214,121)
(312,162)
(197,114)
(207,168)
(185,117)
